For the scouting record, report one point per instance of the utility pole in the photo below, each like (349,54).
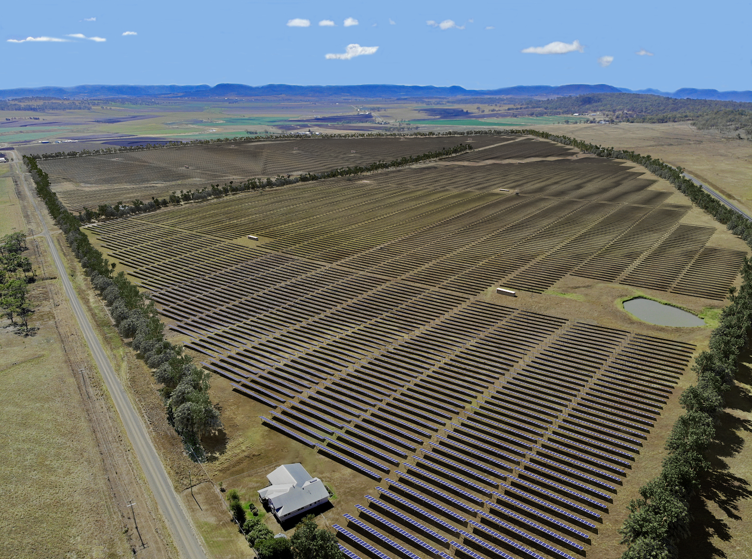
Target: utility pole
(132,506)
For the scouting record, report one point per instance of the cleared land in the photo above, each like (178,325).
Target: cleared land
(364,328)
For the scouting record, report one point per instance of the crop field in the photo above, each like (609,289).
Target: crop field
(93,180)
(364,318)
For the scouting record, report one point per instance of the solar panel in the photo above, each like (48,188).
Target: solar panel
(406,519)
(466,551)
(296,425)
(288,432)
(418,510)
(367,447)
(381,537)
(485,544)
(475,463)
(441,493)
(365,545)
(608,432)
(567,438)
(390,412)
(485,447)
(513,543)
(464,470)
(387,425)
(566,489)
(584,476)
(557,497)
(347,553)
(371,430)
(349,462)
(485,432)
(320,408)
(358,455)
(532,524)
(416,540)
(461,519)
(301,417)
(585,457)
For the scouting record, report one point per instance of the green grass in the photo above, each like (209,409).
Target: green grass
(574,296)
(711,316)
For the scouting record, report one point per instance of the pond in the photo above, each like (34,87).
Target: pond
(660,314)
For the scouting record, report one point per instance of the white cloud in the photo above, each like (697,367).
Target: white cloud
(82,36)
(298,22)
(471,21)
(326,23)
(375,25)
(392,22)
(90,19)
(643,52)
(352,51)
(349,22)
(557,47)
(489,27)
(444,25)
(605,61)
(129,33)
(38,40)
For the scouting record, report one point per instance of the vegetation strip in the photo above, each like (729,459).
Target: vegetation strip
(660,518)
(16,273)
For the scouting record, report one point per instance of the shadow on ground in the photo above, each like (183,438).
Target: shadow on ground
(718,503)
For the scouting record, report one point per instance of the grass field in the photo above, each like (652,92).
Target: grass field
(365,329)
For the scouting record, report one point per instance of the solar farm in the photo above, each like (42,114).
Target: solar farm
(364,318)
(142,174)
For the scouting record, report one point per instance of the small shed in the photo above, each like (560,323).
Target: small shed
(292,491)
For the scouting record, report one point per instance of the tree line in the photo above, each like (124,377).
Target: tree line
(660,518)
(185,387)
(16,273)
(216,191)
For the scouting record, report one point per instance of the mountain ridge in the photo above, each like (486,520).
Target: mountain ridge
(366,91)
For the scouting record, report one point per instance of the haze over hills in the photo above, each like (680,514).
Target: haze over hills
(371,91)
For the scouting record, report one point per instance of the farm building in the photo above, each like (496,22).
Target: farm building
(292,491)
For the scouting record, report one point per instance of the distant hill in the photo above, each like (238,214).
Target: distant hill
(372,91)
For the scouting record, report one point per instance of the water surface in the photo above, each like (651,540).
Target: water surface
(660,314)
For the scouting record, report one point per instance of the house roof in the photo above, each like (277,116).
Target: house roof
(289,474)
(299,497)
(292,488)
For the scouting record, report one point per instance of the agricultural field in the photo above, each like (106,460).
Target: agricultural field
(364,328)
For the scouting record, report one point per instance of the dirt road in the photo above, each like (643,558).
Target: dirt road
(167,499)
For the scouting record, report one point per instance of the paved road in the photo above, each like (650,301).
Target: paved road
(168,501)
(718,197)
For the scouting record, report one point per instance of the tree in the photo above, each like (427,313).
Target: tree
(310,542)
(273,548)
(259,533)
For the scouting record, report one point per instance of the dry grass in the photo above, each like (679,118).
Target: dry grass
(52,484)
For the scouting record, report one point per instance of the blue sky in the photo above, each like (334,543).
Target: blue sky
(474,44)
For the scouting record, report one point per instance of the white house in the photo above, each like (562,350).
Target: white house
(292,491)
